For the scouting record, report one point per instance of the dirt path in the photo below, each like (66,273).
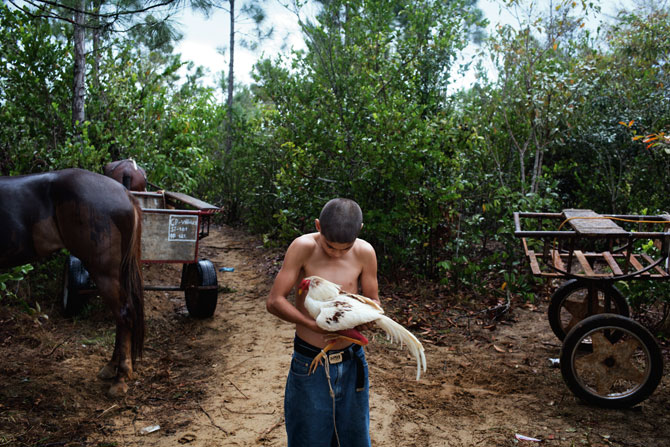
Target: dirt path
(220,381)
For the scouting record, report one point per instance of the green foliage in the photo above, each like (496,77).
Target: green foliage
(550,123)
(242,180)
(15,274)
(601,167)
(530,109)
(7,295)
(34,92)
(135,113)
(640,294)
(361,115)
(132,109)
(28,285)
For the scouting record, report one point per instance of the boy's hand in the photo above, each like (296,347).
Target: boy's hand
(315,328)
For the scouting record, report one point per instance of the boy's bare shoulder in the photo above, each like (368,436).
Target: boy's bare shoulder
(306,240)
(362,244)
(303,245)
(364,248)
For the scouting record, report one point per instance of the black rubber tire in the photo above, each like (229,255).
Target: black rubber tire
(201,303)
(75,279)
(572,287)
(633,376)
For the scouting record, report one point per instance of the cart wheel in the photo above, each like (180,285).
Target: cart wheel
(624,368)
(570,304)
(201,303)
(75,279)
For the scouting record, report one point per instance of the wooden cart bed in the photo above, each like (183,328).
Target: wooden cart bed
(557,246)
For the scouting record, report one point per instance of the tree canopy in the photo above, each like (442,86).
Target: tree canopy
(575,116)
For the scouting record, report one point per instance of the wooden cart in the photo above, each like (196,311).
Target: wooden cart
(172,226)
(607,358)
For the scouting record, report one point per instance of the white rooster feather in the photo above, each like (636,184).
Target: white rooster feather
(338,311)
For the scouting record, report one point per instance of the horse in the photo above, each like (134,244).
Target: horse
(126,172)
(98,221)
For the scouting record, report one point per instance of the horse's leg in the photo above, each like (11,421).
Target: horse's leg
(108,371)
(120,367)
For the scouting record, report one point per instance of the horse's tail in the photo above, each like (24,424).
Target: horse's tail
(132,282)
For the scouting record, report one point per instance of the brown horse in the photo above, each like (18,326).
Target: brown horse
(99,222)
(127,173)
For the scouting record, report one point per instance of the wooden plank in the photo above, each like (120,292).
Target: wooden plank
(657,268)
(150,199)
(588,271)
(556,260)
(593,225)
(534,266)
(571,248)
(636,263)
(612,263)
(525,246)
(191,201)
(168,236)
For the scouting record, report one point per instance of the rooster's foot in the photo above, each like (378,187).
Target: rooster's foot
(316,362)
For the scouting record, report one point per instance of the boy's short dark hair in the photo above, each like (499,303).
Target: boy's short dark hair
(341,220)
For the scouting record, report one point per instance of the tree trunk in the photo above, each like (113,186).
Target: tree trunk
(78,88)
(229,136)
(96,46)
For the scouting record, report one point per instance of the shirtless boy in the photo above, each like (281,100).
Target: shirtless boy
(335,253)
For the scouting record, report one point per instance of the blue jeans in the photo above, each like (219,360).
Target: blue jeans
(308,406)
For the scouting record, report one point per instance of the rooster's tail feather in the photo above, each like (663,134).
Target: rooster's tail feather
(399,334)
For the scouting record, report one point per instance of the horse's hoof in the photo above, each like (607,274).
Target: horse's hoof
(107,372)
(118,389)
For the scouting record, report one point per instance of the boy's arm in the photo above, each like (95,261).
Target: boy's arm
(277,303)
(369,284)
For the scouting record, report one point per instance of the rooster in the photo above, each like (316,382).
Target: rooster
(340,312)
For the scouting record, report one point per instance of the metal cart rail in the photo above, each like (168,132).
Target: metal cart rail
(607,358)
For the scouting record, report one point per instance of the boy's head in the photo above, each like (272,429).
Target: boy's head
(340,220)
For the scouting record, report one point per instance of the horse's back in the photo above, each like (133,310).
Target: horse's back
(91,190)
(71,208)
(96,215)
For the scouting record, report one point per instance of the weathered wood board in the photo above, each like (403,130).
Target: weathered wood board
(169,235)
(179,198)
(151,200)
(592,224)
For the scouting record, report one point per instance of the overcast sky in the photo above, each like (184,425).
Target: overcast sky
(202,37)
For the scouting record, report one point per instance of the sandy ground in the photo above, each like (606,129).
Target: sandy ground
(220,381)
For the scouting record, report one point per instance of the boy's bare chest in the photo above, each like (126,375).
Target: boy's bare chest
(344,271)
